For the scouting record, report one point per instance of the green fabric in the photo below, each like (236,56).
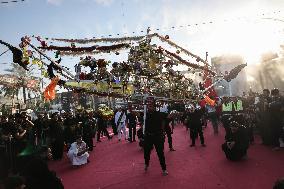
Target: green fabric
(227,107)
(238,106)
(29,150)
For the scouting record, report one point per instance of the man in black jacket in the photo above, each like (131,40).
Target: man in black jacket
(88,128)
(102,126)
(276,115)
(195,122)
(131,121)
(154,135)
(264,117)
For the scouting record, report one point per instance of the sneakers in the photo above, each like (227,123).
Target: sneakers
(192,145)
(172,149)
(165,173)
(203,145)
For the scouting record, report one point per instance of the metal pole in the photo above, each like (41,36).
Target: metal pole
(11,153)
(65,70)
(230,89)
(215,83)
(145,110)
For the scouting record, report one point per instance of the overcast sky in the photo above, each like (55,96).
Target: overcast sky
(244,31)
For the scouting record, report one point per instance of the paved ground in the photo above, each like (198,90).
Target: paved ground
(119,165)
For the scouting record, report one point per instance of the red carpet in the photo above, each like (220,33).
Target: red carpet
(120,165)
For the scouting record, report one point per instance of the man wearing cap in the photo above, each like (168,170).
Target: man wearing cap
(154,135)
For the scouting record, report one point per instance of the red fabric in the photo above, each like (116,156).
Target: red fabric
(120,165)
(49,92)
(208,82)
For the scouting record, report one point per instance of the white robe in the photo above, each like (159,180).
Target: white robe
(121,124)
(117,115)
(74,150)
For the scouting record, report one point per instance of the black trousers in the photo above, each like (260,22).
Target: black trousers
(114,128)
(276,130)
(233,154)
(194,132)
(89,141)
(250,133)
(5,160)
(57,148)
(265,130)
(213,119)
(225,119)
(169,136)
(102,130)
(157,141)
(132,132)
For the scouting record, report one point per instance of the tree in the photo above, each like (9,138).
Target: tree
(24,77)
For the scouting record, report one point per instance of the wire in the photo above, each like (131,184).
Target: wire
(262,16)
(13,1)
(4,52)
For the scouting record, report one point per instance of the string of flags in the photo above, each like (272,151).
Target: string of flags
(179,27)
(13,1)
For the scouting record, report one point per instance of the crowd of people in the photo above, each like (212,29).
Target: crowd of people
(48,138)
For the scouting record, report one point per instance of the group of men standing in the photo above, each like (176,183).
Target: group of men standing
(271,113)
(80,131)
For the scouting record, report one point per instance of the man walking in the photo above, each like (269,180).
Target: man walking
(154,136)
(131,121)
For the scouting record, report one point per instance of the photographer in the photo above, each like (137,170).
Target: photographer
(237,142)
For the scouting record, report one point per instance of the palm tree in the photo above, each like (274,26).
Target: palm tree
(23,78)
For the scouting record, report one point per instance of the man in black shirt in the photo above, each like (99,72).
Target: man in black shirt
(276,107)
(195,122)
(88,128)
(264,117)
(154,135)
(102,126)
(131,121)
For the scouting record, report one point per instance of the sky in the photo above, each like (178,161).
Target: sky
(244,27)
